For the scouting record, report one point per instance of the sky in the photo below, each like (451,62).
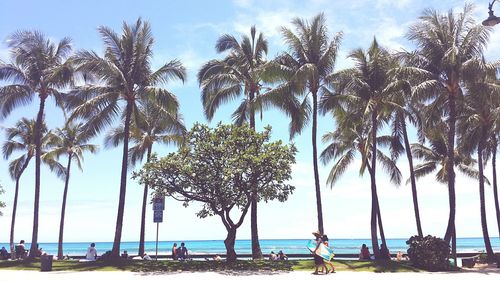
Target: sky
(187,30)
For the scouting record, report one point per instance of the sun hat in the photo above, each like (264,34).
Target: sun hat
(316,233)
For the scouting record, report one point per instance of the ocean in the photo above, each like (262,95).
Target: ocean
(295,246)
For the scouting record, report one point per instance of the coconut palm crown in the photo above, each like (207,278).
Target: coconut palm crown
(119,81)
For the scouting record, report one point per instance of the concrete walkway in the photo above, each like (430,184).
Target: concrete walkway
(205,276)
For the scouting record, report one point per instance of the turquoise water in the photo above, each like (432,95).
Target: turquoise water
(347,246)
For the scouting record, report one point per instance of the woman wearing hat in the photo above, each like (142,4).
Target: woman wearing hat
(318,261)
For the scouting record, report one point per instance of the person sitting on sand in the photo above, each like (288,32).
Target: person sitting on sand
(4,254)
(175,255)
(21,250)
(217,258)
(91,253)
(364,254)
(273,256)
(384,252)
(124,255)
(182,252)
(146,257)
(282,256)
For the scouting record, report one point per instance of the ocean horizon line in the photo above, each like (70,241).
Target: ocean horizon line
(245,239)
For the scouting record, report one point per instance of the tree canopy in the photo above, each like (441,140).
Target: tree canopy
(219,167)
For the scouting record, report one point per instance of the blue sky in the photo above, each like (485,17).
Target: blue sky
(187,30)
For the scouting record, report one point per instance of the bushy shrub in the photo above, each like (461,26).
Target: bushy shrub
(429,253)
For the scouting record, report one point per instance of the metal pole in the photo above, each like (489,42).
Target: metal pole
(157,228)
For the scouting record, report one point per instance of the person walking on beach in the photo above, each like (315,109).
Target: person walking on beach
(318,261)
(329,262)
(175,255)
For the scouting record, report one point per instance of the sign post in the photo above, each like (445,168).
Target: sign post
(158,207)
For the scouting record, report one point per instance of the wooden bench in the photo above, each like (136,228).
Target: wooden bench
(469,262)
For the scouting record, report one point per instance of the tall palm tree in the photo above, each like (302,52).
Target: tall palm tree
(446,44)
(125,78)
(39,69)
(368,95)
(151,124)
(21,138)
(477,123)
(493,148)
(406,111)
(238,74)
(353,137)
(70,141)
(302,73)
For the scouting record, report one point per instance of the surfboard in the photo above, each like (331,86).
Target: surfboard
(323,251)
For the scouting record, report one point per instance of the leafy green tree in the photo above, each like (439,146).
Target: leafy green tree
(219,168)
(477,123)
(367,94)
(70,141)
(447,45)
(238,74)
(151,125)
(302,74)
(21,138)
(40,69)
(125,79)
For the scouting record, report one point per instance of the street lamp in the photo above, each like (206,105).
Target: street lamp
(492,19)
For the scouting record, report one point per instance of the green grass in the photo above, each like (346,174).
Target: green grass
(197,266)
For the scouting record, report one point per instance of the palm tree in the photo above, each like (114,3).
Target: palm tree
(39,69)
(21,137)
(446,44)
(125,79)
(70,141)
(238,74)
(477,123)
(152,124)
(407,110)
(302,73)
(435,157)
(353,137)
(368,93)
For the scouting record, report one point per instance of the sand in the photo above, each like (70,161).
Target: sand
(205,276)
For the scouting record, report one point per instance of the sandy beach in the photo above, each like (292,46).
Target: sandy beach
(126,276)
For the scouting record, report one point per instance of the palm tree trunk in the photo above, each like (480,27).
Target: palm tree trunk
(409,156)
(495,186)
(38,151)
(143,216)
(60,254)
(489,251)
(14,207)
(115,252)
(380,226)
(450,166)
(256,251)
(315,162)
(375,207)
